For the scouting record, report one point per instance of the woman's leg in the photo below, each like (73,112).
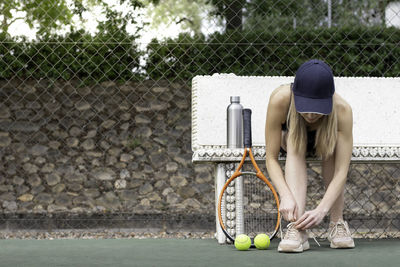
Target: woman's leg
(328,170)
(339,232)
(296,177)
(284,135)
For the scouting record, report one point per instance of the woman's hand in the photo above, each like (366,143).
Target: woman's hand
(310,219)
(288,208)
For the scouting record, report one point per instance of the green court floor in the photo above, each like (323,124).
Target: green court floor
(188,252)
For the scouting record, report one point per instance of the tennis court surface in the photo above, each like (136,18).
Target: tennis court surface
(188,252)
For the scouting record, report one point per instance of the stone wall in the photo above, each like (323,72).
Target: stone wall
(97,149)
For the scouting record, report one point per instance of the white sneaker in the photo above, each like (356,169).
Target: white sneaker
(294,240)
(339,235)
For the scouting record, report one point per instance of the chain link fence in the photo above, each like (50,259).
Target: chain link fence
(95,128)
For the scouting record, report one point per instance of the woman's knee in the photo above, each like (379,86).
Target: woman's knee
(328,168)
(284,140)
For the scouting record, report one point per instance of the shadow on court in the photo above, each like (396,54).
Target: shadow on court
(189,252)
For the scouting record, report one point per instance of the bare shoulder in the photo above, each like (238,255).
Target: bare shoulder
(280,97)
(342,106)
(279,104)
(344,113)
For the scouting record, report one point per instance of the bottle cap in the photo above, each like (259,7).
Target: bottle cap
(235,99)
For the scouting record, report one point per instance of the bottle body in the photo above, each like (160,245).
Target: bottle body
(235,123)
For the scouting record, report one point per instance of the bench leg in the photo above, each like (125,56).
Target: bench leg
(220,178)
(232,208)
(239,205)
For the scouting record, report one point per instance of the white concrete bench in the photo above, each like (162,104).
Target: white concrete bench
(376,119)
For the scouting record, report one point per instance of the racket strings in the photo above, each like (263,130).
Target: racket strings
(259,207)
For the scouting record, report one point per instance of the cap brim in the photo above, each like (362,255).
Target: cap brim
(312,105)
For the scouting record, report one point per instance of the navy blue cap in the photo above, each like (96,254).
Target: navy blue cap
(314,87)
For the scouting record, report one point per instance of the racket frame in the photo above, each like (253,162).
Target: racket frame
(236,174)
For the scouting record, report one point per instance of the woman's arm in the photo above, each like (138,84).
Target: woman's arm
(273,130)
(343,152)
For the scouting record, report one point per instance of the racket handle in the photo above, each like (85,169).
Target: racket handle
(247,128)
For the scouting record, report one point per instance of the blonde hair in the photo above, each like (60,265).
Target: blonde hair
(326,136)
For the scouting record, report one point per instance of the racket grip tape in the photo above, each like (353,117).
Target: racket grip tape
(247,142)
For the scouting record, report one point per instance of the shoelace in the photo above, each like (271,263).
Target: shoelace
(290,233)
(339,229)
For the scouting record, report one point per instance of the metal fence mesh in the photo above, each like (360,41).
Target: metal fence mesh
(95,128)
(371,206)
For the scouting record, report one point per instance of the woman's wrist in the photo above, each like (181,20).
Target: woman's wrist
(285,194)
(323,209)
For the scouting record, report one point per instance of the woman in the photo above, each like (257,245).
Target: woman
(305,118)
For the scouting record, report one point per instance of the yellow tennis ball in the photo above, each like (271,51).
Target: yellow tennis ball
(242,242)
(261,241)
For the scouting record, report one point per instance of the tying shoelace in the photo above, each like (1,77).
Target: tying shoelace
(290,233)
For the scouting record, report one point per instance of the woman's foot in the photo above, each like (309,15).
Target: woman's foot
(294,240)
(339,235)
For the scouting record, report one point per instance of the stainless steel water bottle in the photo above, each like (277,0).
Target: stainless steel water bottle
(235,123)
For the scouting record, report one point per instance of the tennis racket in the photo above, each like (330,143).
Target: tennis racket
(259,198)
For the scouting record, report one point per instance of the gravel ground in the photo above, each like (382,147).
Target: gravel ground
(148,233)
(103,234)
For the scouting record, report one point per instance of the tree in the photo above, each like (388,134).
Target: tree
(117,21)
(188,14)
(48,16)
(277,15)
(364,12)
(286,14)
(231,11)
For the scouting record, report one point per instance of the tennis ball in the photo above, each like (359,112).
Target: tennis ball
(261,241)
(242,242)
